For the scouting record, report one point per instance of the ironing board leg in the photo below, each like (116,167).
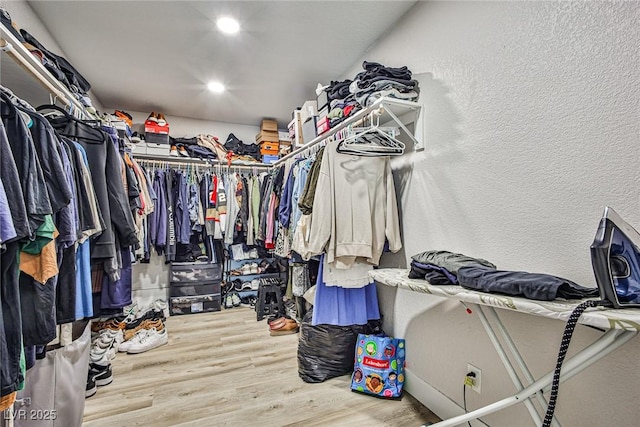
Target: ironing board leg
(608,342)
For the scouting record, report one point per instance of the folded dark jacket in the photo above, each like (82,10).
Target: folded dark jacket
(450,261)
(537,286)
(73,77)
(200,152)
(420,271)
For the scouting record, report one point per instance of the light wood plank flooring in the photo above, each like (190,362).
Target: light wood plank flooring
(225,369)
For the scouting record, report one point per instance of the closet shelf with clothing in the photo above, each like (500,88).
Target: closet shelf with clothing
(20,54)
(392,112)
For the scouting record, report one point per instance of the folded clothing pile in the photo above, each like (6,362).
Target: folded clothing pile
(342,103)
(57,65)
(377,81)
(448,268)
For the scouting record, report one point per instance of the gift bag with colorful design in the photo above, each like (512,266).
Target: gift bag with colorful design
(379,366)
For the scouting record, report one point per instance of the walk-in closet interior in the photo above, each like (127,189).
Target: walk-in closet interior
(319,213)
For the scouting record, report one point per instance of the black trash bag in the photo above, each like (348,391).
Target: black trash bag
(328,351)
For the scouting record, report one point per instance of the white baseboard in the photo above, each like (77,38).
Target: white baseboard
(433,399)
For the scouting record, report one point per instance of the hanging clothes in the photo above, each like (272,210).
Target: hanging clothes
(354,209)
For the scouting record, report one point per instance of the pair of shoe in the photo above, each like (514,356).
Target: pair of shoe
(146,339)
(282,326)
(232,299)
(157,118)
(113,324)
(176,151)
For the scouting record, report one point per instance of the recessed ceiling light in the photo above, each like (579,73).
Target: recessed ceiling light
(228,25)
(215,87)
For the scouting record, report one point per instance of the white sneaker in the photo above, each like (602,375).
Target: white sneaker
(151,340)
(124,347)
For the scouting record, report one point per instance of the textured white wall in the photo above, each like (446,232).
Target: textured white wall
(531,128)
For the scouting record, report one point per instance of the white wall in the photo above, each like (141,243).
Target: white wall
(531,129)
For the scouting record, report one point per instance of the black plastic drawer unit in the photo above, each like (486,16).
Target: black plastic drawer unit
(194,304)
(191,289)
(195,273)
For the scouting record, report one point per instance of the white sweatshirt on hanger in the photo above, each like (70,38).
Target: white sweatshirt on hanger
(354,209)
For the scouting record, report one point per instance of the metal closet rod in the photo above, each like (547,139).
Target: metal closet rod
(196,162)
(8,44)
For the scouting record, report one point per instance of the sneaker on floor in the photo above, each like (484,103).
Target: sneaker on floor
(152,339)
(102,375)
(92,388)
(235,299)
(124,347)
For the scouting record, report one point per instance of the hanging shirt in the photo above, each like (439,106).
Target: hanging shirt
(7,230)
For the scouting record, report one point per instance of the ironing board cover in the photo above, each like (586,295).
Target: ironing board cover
(627,319)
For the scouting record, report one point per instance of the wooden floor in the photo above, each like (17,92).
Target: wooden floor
(225,369)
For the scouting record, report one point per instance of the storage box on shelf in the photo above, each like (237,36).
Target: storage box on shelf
(194,287)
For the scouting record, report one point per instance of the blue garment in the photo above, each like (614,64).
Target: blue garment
(181,210)
(84,297)
(298,189)
(344,306)
(432,267)
(7,230)
(284,209)
(117,294)
(158,218)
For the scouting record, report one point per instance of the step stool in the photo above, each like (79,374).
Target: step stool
(273,293)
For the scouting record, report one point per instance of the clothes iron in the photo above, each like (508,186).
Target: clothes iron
(615,257)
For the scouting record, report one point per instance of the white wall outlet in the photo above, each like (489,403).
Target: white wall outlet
(475,382)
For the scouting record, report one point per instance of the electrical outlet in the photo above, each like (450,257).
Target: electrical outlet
(474,382)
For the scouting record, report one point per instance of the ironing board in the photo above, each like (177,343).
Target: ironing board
(619,327)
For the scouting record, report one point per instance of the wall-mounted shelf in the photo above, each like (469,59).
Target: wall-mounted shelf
(20,54)
(393,112)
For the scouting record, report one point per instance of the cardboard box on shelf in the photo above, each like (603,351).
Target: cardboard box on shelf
(151,127)
(268,159)
(270,136)
(152,149)
(324,112)
(269,125)
(270,146)
(284,136)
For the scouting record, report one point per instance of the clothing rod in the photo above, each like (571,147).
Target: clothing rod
(21,54)
(197,162)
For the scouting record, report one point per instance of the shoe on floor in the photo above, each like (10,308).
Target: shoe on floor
(91,387)
(149,341)
(102,375)
(124,347)
(287,329)
(235,299)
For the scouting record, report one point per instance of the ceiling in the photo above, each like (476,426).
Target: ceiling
(159,56)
